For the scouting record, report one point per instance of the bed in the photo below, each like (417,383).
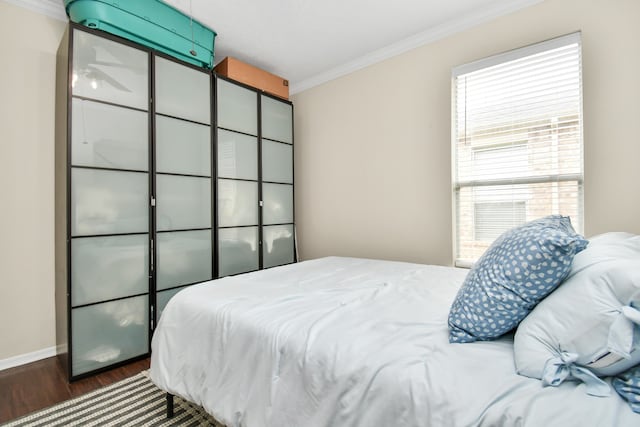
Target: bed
(351,342)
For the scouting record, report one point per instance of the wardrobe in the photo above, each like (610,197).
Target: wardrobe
(166,176)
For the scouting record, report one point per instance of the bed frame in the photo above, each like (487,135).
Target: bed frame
(169,405)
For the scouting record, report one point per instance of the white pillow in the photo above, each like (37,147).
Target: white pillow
(591,323)
(606,247)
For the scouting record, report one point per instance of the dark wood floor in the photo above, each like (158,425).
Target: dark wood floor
(40,384)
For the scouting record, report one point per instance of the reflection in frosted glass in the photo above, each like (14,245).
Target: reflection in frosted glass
(111,137)
(277,162)
(109,71)
(237,203)
(108,202)
(104,268)
(237,155)
(277,245)
(278,203)
(162,299)
(237,107)
(277,120)
(182,91)
(182,147)
(104,334)
(238,250)
(182,202)
(183,257)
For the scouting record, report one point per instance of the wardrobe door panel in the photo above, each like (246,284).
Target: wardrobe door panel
(182,202)
(108,267)
(237,155)
(277,162)
(106,136)
(182,91)
(237,108)
(104,334)
(277,120)
(108,202)
(182,147)
(184,257)
(238,250)
(163,297)
(278,203)
(183,180)
(237,203)
(109,71)
(255,179)
(278,245)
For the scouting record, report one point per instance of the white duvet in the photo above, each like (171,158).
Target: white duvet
(351,342)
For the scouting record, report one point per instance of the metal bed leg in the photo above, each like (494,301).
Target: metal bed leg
(169,405)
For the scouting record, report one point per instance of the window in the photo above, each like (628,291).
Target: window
(517,142)
(491,218)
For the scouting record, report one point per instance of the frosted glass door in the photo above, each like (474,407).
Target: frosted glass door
(108,164)
(237,155)
(182,202)
(108,202)
(109,267)
(182,91)
(237,203)
(277,120)
(255,179)
(106,136)
(184,257)
(277,162)
(104,334)
(278,245)
(184,184)
(162,299)
(238,250)
(277,182)
(237,107)
(278,203)
(182,147)
(109,71)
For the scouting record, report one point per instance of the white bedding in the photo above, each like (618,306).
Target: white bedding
(351,342)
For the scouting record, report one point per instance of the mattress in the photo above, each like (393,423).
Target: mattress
(351,342)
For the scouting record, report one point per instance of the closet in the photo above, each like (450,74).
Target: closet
(276,153)
(103,217)
(166,176)
(183,179)
(255,179)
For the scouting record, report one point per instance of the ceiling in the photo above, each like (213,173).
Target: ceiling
(310,42)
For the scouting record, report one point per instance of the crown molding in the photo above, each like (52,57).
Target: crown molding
(429,36)
(51,8)
(55,9)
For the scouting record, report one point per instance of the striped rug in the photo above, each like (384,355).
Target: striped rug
(135,401)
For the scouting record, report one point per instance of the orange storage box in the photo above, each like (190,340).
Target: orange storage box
(253,76)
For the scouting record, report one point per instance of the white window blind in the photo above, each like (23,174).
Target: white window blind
(517,142)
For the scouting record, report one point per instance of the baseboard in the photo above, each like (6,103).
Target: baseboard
(23,359)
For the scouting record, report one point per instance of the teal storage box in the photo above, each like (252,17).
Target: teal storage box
(151,23)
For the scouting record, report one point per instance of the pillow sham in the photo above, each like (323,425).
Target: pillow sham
(519,269)
(628,387)
(589,327)
(606,247)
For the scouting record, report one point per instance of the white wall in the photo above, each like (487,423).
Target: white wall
(28,44)
(373,148)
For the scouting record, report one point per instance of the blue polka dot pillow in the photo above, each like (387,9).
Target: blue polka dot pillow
(628,386)
(518,270)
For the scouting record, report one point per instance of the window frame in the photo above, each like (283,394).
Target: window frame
(457,185)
